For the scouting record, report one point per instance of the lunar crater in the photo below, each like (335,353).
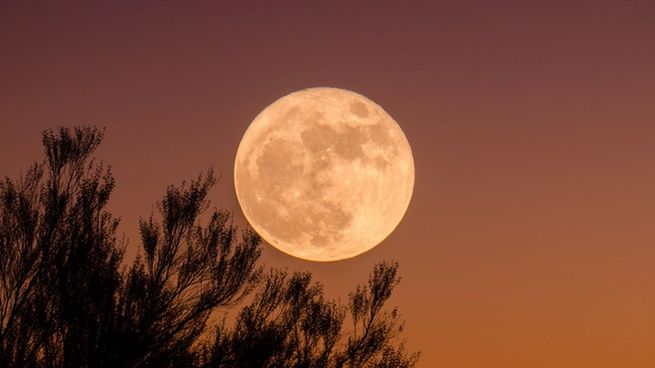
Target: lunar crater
(359,109)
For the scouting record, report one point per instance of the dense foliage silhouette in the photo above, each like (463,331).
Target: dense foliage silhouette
(68,299)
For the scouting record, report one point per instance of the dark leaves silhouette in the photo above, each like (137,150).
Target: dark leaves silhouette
(68,299)
(290,324)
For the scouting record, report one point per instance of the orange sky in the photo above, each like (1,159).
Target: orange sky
(529,241)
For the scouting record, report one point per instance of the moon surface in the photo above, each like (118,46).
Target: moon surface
(324,174)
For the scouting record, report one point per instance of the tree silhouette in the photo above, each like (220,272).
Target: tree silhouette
(187,271)
(290,324)
(59,258)
(67,298)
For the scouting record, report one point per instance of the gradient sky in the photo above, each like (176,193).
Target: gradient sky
(530,239)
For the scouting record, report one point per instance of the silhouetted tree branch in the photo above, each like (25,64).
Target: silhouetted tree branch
(187,271)
(59,257)
(68,300)
(290,324)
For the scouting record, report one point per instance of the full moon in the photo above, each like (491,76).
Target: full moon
(324,174)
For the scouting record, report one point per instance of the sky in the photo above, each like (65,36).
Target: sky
(529,241)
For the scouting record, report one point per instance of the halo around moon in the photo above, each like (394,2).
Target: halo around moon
(324,174)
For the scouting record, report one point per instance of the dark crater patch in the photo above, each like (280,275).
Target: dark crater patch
(349,143)
(359,109)
(274,164)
